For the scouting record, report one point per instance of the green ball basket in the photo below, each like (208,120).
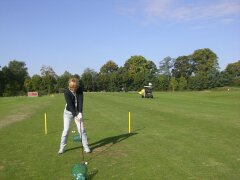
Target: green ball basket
(77,138)
(79,171)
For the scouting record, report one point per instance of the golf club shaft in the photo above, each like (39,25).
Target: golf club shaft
(80,122)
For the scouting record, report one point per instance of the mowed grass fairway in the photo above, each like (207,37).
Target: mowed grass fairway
(181,135)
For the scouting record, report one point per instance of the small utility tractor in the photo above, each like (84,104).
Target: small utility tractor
(146,92)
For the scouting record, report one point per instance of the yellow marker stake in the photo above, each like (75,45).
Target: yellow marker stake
(45,120)
(129,122)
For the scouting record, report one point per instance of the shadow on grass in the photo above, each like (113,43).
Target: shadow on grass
(91,174)
(108,141)
(70,149)
(111,140)
(104,144)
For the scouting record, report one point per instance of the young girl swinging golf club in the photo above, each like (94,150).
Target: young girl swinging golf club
(73,111)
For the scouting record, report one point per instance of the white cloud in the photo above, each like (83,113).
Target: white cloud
(157,8)
(227,20)
(185,11)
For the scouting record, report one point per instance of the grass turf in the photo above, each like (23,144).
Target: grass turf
(182,135)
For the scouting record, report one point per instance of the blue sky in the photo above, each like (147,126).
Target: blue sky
(74,35)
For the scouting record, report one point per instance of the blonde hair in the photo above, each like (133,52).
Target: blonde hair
(73,83)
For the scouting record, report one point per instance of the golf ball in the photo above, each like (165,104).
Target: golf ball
(86,163)
(73,131)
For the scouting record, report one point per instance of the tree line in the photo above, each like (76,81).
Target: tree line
(197,71)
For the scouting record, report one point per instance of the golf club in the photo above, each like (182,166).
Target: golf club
(79,170)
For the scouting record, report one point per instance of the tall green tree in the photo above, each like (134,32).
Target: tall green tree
(89,79)
(162,83)
(62,81)
(152,72)
(182,84)
(133,66)
(173,83)
(108,79)
(198,81)
(2,82)
(214,79)
(233,72)
(204,60)
(109,67)
(28,84)
(165,68)
(36,82)
(166,65)
(14,76)
(49,79)
(183,67)
(139,80)
(122,79)
(205,69)
(137,67)
(233,69)
(114,82)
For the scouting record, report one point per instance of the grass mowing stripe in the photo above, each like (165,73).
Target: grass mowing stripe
(15,109)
